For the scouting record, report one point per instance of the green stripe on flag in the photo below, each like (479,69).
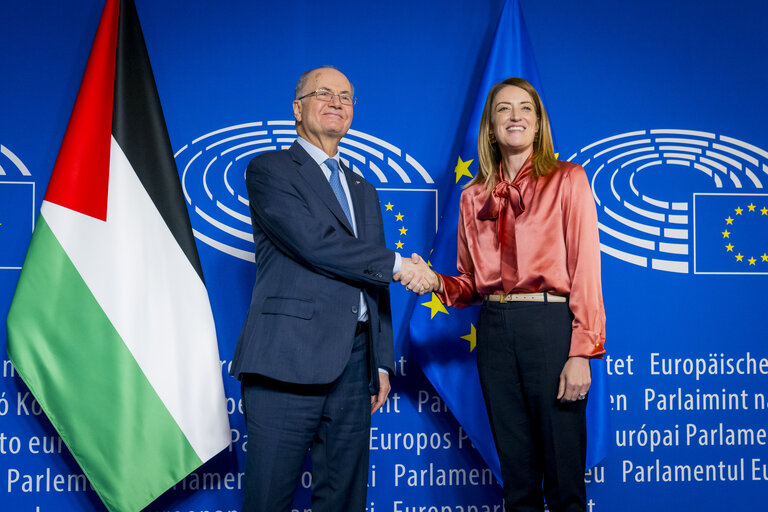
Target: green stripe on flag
(89,384)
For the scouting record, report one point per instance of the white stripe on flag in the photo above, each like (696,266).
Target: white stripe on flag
(154,298)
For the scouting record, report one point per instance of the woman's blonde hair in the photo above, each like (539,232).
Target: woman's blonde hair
(488,150)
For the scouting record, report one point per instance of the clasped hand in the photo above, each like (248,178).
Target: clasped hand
(416,275)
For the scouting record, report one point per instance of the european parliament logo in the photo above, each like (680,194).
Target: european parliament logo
(680,200)
(212,176)
(17,209)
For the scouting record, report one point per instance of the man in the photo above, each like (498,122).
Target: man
(315,353)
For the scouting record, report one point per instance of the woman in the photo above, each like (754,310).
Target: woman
(528,249)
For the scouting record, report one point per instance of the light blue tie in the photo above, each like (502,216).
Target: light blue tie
(335,180)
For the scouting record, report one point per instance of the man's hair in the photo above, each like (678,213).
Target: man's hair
(305,76)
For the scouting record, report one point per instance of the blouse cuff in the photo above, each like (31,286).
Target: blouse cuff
(452,290)
(443,294)
(587,344)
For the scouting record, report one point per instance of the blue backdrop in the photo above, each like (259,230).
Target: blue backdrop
(663,103)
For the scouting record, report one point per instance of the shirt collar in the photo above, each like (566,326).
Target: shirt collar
(317,154)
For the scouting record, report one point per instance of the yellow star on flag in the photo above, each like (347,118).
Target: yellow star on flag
(389,206)
(471,337)
(729,220)
(752,260)
(403,230)
(462,169)
(729,248)
(764,257)
(399,216)
(399,244)
(751,207)
(739,257)
(738,210)
(435,305)
(726,233)
(764,210)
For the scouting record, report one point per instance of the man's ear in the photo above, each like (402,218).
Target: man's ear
(297,110)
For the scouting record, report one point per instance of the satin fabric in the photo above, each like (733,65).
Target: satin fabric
(533,235)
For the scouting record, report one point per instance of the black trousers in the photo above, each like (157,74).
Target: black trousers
(332,421)
(521,350)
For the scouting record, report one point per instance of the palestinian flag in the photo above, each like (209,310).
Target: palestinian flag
(110,326)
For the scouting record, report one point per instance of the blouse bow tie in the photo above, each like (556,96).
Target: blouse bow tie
(504,205)
(503,194)
(505,199)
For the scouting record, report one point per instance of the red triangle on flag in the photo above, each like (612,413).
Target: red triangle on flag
(80,178)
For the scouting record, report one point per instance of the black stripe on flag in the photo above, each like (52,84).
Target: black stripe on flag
(138,126)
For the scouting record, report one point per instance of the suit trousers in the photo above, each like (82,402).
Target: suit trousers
(332,421)
(521,350)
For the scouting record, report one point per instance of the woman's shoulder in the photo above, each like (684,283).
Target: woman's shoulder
(473,197)
(472,191)
(475,192)
(566,171)
(567,168)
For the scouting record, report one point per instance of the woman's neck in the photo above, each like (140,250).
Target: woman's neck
(511,163)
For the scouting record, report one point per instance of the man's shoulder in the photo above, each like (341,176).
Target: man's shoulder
(271,159)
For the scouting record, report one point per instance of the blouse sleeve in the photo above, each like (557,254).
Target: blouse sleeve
(460,291)
(582,246)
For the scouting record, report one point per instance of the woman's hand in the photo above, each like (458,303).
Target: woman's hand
(574,380)
(417,276)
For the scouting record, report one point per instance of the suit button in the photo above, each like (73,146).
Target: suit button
(354,309)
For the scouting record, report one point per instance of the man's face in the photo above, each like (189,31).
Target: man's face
(319,119)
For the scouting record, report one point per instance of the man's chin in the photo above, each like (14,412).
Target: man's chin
(336,131)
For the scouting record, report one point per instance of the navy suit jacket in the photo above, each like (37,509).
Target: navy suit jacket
(310,271)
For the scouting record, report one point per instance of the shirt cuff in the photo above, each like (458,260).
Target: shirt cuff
(384,371)
(398,263)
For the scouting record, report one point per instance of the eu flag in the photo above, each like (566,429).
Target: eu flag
(730,233)
(443,339)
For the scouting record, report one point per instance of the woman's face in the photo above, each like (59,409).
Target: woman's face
(514,120)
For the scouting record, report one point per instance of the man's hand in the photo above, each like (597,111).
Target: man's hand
(574,380)
(416,275)
(378,400)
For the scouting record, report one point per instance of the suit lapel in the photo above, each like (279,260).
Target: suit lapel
(356,192)
(313,174)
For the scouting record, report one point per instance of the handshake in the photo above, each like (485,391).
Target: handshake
(416,275)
